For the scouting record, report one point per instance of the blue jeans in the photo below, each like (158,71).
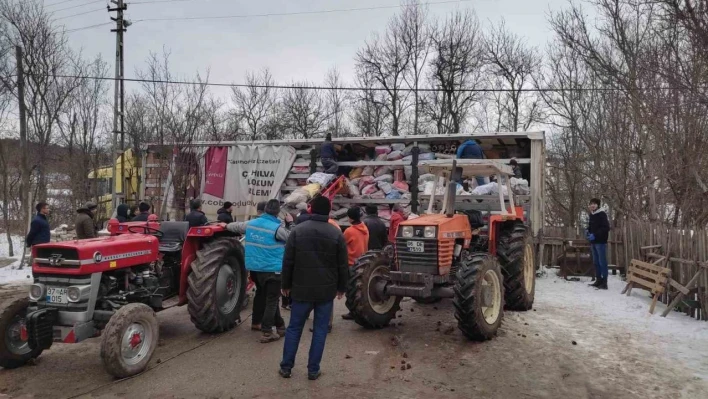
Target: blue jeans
(299,312)
(599,258)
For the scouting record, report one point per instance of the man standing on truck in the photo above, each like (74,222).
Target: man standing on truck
(85,228)
(470,149)
(196,217)
(597,234)
(377,228)
(328,155)
(314,273)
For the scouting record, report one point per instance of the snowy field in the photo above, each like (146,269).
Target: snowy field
(8,272)
(627,320)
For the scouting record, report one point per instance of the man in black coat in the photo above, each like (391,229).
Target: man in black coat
(224,214)
(144,209)
(597,233)
(314,273)
(196,217)
(378,233)
(39,228)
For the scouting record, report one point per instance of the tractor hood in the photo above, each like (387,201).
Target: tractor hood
(429,220)
(79,257)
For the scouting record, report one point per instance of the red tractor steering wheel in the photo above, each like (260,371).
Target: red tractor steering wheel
(146,230)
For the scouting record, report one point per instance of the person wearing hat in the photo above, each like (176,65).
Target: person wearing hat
(314,273)
(85,227)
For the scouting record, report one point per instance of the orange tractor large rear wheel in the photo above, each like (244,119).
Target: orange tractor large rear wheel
(516,255)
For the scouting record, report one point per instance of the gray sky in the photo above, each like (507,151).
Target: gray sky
(293,47)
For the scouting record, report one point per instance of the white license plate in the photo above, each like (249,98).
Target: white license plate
(415,246)
(57,295)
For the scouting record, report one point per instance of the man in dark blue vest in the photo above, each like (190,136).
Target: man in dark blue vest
(265,246)
(471,150)
(39,228)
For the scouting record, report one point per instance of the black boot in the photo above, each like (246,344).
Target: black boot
(603,284)
(597,282)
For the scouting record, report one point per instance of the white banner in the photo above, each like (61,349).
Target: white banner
(254,173)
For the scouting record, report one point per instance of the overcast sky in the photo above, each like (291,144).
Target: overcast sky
(294,47)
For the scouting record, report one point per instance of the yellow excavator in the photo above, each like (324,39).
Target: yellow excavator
(101,180)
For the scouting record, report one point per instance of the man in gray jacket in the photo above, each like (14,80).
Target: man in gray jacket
(85,227)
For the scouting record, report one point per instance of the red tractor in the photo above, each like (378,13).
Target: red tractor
(112,286)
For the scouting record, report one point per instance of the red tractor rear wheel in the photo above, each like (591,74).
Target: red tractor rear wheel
(14,349)
(217,285)
(366,297)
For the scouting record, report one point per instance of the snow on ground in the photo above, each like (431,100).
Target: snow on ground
(17,242)
(8,265)
(677,336)
(10,275)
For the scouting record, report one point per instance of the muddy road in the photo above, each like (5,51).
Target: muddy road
(550,352)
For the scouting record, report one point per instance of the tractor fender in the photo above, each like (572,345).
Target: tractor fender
(189,253)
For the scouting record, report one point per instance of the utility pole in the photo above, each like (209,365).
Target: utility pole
(24,150)
(118,107)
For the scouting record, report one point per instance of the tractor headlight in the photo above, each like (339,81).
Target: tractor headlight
(429,232)
(407,231)
(73,294)
(36,292)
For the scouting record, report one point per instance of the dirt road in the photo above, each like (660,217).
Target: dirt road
(534,357)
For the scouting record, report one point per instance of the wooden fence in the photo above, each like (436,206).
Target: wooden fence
(686,247)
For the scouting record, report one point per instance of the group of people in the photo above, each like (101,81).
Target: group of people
(306,263)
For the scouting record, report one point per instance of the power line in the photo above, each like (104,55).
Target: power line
(157,1)
(423,90)
(79,5)
(293,13)
(88,27)
(81,13)
(57,3)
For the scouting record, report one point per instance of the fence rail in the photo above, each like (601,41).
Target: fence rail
(686,248)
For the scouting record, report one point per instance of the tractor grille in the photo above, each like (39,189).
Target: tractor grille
(58,257)
(417,262)
(61,282)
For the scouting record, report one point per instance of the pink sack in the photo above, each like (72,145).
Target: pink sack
(383,149)
(365,181)
(377,195)
(369,189)
(401,186)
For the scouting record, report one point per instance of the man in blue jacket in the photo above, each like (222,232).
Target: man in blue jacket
(39,228)
(265,245)
(471,150)
(597,233)
(328,156)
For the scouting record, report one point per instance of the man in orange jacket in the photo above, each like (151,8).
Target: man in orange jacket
(397,216)
(357,239)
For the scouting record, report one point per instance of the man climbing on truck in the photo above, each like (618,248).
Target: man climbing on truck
(470,149)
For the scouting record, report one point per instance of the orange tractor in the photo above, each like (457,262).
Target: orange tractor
(448,255)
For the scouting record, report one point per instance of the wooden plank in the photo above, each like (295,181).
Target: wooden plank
(650,247)
(653,303)
(660,260)
(679,287)
(654,276)
(645,283)
(649,266)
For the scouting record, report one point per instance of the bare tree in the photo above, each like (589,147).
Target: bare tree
(387,61)
(81,127)
(369,113)
(303,111)
(255,103)
(415,36)
(512,64)
(336,101)
(46,58)
(456,67)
